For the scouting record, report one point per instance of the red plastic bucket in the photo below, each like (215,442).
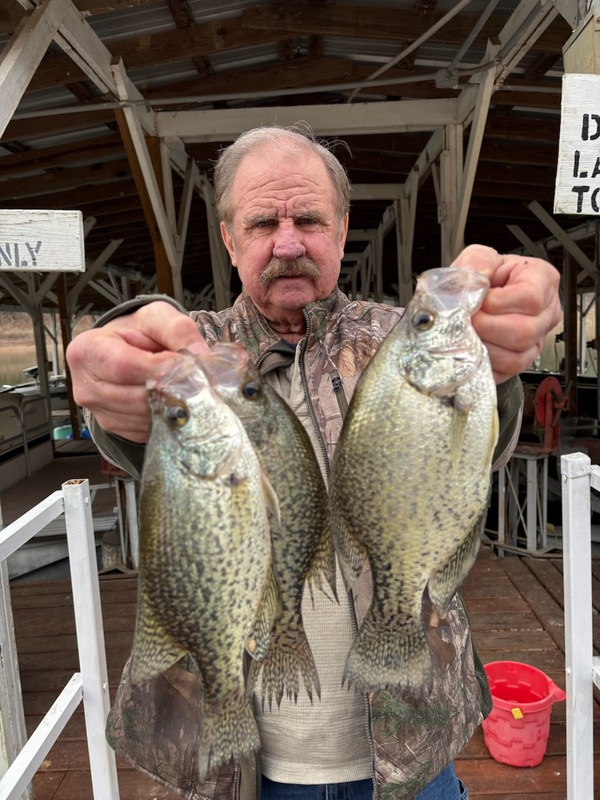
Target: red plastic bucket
(516,731)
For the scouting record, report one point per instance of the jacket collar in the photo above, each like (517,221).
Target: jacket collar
(261,340)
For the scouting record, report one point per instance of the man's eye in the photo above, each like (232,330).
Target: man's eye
(264,223)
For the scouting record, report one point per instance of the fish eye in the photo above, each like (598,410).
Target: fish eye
(177,414)
(251,390)
(423,320)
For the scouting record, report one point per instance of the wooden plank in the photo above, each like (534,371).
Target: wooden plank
(55,680)
(476,747)
(526,641)
(118,640)
(595,582)
(30,601)
(509,604)
(508,607)
(37,627)
(41,241)
(546,608)
(548,575)
(62,180)
(484,777)
(74,729)
(20,58)
(46,784)
(133,785)
(504,621)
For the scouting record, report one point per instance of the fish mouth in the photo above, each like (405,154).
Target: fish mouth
(457,351)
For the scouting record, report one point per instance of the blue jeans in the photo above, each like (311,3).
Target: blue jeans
(445,787)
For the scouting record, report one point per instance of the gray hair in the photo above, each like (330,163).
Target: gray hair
(299,135)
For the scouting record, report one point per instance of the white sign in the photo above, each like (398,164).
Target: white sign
(578,174)
(41,241)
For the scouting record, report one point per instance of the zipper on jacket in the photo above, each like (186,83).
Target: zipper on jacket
(338,388)
(309,405)
(237,782)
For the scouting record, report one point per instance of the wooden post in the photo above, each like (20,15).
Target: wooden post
(164,272)
(570,329)
(65,330)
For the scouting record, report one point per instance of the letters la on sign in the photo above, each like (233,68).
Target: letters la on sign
(41,241)
(578,174)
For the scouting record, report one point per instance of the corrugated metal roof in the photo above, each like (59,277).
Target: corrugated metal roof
(206,62)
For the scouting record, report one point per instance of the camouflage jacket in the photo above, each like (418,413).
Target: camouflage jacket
(155,726)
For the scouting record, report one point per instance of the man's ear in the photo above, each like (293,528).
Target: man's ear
(228,241)
(344,233)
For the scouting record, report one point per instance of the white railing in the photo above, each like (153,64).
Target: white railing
(90,685)
(579,476)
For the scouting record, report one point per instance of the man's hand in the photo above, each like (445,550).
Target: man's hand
(109,366)
(520,309)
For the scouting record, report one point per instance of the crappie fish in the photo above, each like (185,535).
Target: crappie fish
(205,554)
(411,475)
(301,536)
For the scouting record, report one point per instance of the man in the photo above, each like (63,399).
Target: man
(283,202)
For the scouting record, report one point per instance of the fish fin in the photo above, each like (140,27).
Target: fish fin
(386,657)
(494,434)
(288,661)
(444,582)
(154,650)
(269,608)
(321,573)
(351,554)
(271,499)
(229,733)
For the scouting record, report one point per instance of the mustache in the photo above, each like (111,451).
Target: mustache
(301,267)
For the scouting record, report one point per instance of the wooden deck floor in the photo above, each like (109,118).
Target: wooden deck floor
(515,607)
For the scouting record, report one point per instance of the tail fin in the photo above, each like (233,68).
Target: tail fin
(229,732)
(384,658)
(321,573)
(288,662)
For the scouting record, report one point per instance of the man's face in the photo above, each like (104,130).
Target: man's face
(285,223)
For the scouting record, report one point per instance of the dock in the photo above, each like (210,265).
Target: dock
(515,607)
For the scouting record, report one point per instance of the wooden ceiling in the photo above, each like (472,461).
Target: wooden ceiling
(63,148)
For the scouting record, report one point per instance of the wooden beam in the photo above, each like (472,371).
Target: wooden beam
(162,261)
(570,246)
(324,120)
(24,52)
(485,87)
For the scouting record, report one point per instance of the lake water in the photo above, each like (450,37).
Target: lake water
(12,364)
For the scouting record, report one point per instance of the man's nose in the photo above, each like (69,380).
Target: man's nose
(287,246)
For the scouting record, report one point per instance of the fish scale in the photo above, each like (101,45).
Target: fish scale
(301,537)
(410,477)
(205,554)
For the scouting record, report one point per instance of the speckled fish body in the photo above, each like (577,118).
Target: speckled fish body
(301,537)
(205,553)
(411,475)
